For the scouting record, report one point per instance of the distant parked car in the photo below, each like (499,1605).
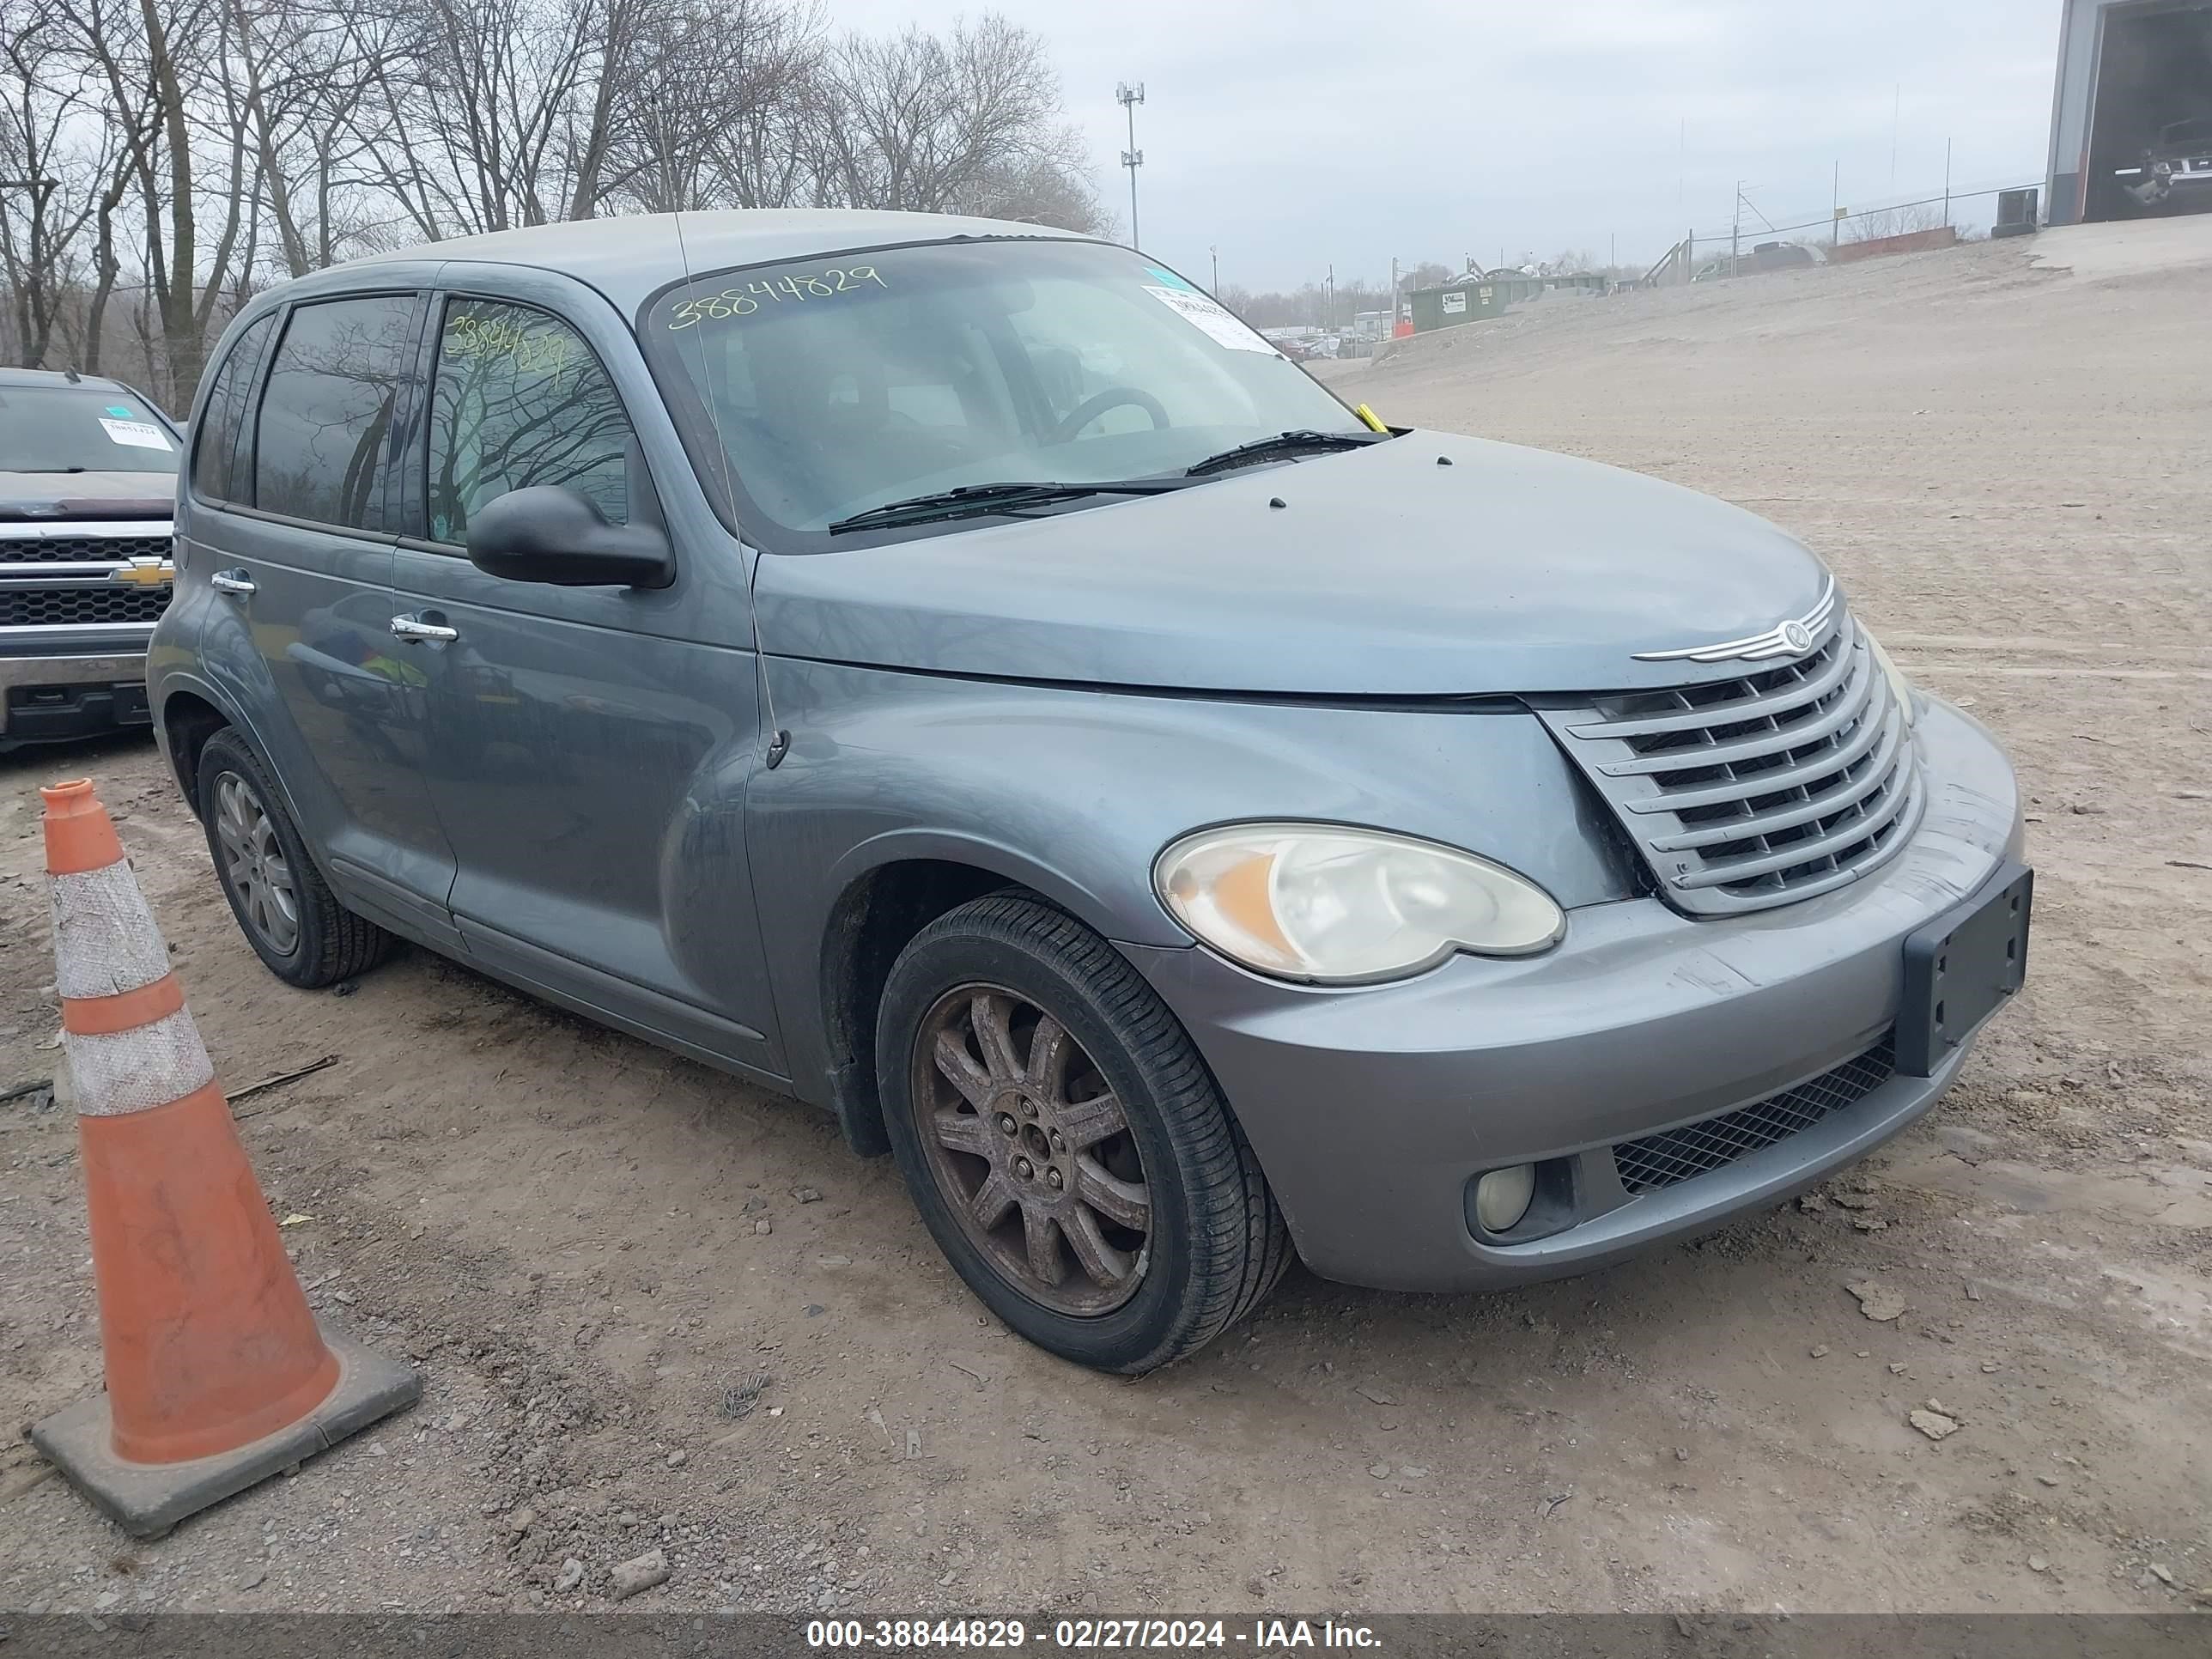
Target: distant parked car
(2175,171)
(1780,256)
(88,474)
(1767,256)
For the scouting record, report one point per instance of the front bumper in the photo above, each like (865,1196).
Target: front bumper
(1373,1109)
(49,698)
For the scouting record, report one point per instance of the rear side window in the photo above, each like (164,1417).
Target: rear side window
(335,388)
(216,445)
(519,399)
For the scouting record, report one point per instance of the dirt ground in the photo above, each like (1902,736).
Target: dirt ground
(2005,462)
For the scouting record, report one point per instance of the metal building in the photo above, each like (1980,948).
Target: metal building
(2128,70)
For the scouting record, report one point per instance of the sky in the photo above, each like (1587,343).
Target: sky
(1292,137)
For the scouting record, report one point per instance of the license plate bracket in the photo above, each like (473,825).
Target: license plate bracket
(1962,968)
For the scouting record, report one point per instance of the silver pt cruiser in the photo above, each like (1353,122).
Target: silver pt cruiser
(960,674)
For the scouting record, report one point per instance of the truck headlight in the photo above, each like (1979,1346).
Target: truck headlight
(1899,687)
(1344,907)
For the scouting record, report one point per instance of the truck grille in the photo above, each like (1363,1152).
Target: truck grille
(83,550)
(1696,1149)
(1757,791)
(76,606)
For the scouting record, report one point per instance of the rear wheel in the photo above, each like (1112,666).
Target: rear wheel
(284,907)
(1064,1143)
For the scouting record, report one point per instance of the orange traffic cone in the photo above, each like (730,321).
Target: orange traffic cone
(217,1374)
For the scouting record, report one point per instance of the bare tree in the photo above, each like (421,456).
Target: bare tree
(919,118)
(50,182)
(727,100)
(198,147)
(1051,185)
(474,128)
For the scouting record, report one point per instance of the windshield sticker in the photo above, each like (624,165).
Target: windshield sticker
(1210,320)
(122,411)
(135,434)
(744,299)
(1168,277)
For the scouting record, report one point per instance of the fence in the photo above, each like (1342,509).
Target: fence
(1701,256)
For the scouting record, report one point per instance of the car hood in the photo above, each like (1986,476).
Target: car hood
(1378,572)
(60,496)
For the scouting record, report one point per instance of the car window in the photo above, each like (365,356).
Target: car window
(835,385)
(519,399)
(323,450)
(65,429)
(216,441)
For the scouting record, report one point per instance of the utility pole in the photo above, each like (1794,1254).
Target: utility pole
(1896,126)
(1947,182)
(1836,205)
(1215,254)
(1735,232)
(1132,158)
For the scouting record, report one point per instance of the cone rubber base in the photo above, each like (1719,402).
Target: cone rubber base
(147,1500)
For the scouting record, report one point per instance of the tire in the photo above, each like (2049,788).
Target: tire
(1127,1109)
(325,943)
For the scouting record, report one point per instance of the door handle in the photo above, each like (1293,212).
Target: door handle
(233,581)
(414,628)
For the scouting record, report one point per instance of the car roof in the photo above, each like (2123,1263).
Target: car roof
(630,256)
(29,379)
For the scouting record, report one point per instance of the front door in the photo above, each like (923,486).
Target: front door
(589,747)
(294,527)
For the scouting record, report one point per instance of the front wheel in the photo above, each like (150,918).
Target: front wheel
(1064,1143)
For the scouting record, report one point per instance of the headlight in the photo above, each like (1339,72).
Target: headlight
(1899,687)
(1311,901)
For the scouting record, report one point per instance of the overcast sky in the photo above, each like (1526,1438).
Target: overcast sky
(1292,134)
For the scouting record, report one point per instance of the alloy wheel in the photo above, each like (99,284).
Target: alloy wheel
(259,874)
(1031,1150)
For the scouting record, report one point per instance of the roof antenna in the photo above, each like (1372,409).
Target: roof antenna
(71,375)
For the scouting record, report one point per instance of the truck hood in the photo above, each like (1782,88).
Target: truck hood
(57,497)
(1377,572)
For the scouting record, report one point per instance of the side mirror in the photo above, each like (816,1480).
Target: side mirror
(548,534)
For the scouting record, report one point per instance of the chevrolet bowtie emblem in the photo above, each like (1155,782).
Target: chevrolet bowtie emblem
(1792,638)
(145,573)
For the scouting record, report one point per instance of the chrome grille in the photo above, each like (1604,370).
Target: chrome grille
(1756,791)
(1696,1149)
(78,606)
(83,550)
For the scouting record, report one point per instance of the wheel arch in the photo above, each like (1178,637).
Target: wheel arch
(188,718)
(887,891)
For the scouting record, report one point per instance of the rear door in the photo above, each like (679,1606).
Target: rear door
(302,550)
(589,747)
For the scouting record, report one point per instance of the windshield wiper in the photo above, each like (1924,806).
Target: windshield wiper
(47,469)
(1284,443)
(971,500)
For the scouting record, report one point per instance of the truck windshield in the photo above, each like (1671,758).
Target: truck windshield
(836,385)
(81,428)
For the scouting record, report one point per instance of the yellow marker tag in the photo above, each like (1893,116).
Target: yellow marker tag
(1374,420)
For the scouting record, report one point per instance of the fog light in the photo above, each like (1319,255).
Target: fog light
(1502,1197)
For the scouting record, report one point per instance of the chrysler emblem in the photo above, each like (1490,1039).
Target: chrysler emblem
(1792,638)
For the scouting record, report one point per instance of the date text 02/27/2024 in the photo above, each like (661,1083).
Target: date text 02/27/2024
(1083,1635)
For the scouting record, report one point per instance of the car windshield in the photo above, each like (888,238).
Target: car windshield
(2188,132)
(81,428)
(835,385)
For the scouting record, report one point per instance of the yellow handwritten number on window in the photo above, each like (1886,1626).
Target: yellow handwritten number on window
(745,302)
